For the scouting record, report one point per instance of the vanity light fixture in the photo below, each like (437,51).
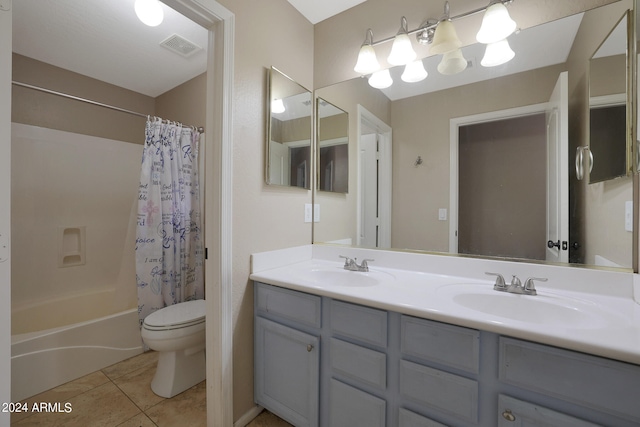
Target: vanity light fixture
(149,12)
(401,51)
(277,106)
(497,25)
(367,62)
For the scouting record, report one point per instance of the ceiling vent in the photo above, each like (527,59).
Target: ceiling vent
(180,45)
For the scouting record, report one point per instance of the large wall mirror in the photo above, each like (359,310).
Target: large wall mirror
(448,135)
(332,136)
(289,126)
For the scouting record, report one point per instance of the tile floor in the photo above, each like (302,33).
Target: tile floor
(120,396)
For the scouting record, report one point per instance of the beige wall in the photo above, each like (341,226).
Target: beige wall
(185,103)
(264,217)
(54,112)
(603,201)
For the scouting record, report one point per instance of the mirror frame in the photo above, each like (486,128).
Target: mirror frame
(269,117)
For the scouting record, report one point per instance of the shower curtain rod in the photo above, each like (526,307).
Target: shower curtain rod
(88,101)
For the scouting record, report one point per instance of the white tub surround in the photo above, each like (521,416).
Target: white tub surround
(582,309)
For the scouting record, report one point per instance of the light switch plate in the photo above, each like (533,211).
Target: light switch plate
(308,212)
(442,214)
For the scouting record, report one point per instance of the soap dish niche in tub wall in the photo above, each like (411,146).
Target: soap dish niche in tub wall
(71,246)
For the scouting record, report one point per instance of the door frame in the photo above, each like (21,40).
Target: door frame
(367,118)
(454,127)
(218,201)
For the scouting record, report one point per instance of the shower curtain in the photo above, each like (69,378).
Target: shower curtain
(169,248)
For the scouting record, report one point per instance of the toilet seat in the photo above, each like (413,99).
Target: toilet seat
(177,316)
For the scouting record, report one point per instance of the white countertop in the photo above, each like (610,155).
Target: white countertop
(597,311)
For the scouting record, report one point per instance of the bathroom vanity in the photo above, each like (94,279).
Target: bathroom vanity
(407,347)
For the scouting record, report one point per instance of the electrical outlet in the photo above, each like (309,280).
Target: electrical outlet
(308,212)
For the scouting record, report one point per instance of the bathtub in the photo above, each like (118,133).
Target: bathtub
(45,359)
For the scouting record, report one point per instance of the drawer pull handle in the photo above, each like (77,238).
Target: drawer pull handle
(507,415)
(309,347)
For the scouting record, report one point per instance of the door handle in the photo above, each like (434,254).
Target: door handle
(551,244)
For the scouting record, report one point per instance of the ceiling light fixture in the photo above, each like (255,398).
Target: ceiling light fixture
(414,72)
(277,106)
(381,79)
(149,12)
(497,25)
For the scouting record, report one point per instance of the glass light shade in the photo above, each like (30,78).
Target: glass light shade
(414,72)
(401,52)
(277,106)
(367,62)
(496,24)
(452,63)
(497,54)
(445,38)
(149,12)
(381,79)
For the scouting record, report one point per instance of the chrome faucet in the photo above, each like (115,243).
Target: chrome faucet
(351,264)
(516,287)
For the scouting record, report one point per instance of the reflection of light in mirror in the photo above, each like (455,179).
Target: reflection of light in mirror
(496,24)
(149,12)
(452,63)
(497,54)
(414,72)
(381,79)
(277,106)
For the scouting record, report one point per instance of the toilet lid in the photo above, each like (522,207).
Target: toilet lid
(178,315)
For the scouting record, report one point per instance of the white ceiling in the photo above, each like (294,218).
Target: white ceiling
(105,40)
(316,11)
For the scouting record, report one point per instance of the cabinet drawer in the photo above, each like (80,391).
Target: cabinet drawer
(512,412)
(350,407)
(450,345)
(359,363)
(365,324)
(297,306)
(411,419)
(439,390)
(602,384)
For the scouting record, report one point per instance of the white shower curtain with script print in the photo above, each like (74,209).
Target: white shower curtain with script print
(169,254)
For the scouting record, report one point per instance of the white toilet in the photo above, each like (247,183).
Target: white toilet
(177,332)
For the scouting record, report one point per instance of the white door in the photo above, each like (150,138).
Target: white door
(368,191)
(557,117)
(278,163)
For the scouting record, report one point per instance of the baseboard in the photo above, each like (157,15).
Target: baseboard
(248,416)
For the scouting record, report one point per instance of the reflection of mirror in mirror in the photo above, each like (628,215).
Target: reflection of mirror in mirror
(288,159)
(608,112)
(422,115)
(333,147)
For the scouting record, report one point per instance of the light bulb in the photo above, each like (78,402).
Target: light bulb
(401,51)
(496,24)
(452,63)
(414,72)
(381,79)
(149,12)
(277,106)
(497,53)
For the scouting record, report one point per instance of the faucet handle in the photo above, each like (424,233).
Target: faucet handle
(348,262)
(529,287)
(364,266)
(500,284)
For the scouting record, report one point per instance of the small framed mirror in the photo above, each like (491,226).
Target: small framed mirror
(607,157)
(289,130)
(332,131)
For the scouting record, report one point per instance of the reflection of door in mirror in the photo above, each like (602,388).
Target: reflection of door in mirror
(333,147)
(288,132)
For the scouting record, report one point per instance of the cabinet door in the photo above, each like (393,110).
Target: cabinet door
(350,407)
(287,367)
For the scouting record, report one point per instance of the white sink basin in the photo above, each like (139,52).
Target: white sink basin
(542,309)
(338,276)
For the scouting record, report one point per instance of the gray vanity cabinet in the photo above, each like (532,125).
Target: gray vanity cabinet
(329,363)
(287,354)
